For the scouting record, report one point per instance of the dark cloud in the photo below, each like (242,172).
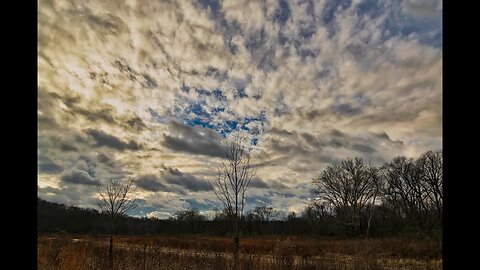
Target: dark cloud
(124,67)
(286,147)
(101,112)
(194,140)
(336,133)
(316,113)
(257,199)
(277,185)
(151,182)
(280,132)
(346,109)
(149,82)
(47,123)
(80,177)
(106,23)
(384,136)
(67,147)
(104,139)
(337,142)
(281,194)
(186,180)
(103,158)
(272,162)
(198,205)
(104,114)
(48,166)
(136,123)
(259,183)
(72,102)
(69,101)
(363,148)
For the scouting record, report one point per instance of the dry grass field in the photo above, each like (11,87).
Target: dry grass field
(205,252)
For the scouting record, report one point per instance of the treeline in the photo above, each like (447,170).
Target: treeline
(61,218)
(404,196)
(352,198)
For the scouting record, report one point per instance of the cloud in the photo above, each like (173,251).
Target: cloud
(423,8)
(194,140)
(363,148)
(159,215)
(71,194)
(68,147)
(260,184)
(136,123)
(195,204)
(151,182)
(188,181)
(104,139)
(46,165)
(79,177)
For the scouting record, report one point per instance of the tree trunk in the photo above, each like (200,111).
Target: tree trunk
(110,252)
(371,213)
(236,248)
(110,248)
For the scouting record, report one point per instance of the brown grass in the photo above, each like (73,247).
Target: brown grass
(201,252)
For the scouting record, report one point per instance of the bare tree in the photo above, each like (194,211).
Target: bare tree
(233,179)
(414,188)
(189,216)
(403,190)
(350,186)
(265,213)
(290,218)
(431,165)
(318,210)
(117,197)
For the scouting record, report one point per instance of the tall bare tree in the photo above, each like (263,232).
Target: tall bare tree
(350,186)
(117,197)
(232,181)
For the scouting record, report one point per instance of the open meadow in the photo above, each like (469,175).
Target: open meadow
(207,252)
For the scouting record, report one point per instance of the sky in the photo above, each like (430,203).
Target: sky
(147,90)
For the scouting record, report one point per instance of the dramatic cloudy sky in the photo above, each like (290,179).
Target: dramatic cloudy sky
(148,89)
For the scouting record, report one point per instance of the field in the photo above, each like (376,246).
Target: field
(202,252)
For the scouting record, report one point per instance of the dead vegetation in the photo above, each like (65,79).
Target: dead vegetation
(202,252)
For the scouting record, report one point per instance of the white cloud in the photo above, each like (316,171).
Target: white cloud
(159,215)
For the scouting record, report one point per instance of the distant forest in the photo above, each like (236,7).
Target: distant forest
(403,197)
